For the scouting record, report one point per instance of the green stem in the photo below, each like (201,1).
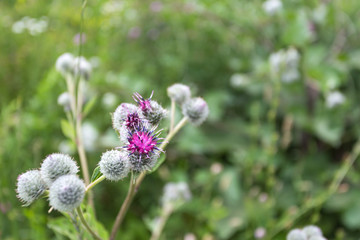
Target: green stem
(94,183)
(124,208)
(88,228)
(166,212)
(172,115)
(135,186)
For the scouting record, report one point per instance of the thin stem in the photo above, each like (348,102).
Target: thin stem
(71,90)
(83,221)
(172,115)
(166,212)
(135,186)
(124,208)
(94,183)
(79,139)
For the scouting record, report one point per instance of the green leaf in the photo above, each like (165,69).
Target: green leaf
(62,226)
(89,105)
(159,162)
(68,129)
(96,174)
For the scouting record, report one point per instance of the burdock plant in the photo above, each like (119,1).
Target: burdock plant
(138,153)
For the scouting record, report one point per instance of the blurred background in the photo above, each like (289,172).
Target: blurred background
(282,82)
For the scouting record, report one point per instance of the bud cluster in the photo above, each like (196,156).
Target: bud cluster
(136,126)
(310,232)
(195,109)
(58,175)
(68,64)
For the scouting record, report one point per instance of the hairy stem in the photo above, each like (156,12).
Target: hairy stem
(166,212)
(86,225)
(124,208)
(94,183)
(135,186)
(79,139)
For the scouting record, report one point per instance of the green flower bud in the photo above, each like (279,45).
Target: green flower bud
(179,93)
(114,165)
(196,109)
(30,186)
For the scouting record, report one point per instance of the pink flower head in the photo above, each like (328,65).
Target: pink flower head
(142,142)
(144,104)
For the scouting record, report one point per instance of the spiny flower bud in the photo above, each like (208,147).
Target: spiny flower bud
(179,93)
(140,162)
(64,63)
(196,109)
(114,165)
(30,186)
(121,113)
(67,193)
(151,110)
(56,165)
(82,67)
(296,234)
(312,230)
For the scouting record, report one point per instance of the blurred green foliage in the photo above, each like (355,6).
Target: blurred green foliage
(268,148)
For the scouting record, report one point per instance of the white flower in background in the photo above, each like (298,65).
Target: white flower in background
(334,98)
(272,7)
(239,80)
(109,100)
(64,100)
(82,67)
(112,7)
(65,147)
(260,233)
(285,63)
(176,193)
(32,25)
(90,135)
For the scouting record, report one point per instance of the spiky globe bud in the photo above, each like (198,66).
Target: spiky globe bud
(155,114)
(151,110)
(317,238)
(114,165)
(30,186)
(312,230)
(296,234)
(64,63)
(121,113)
(67,193)
(176,193)
(82,67)
(56,165)
(141,162)
(196,110)
(179,93)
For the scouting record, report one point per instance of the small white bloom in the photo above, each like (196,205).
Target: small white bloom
(296,234)
(64,100)
(334,98)
(260,233)
(176,193)
(114,165)
(18,27)
(90,136)
(285,63)
(65,63)
(82,67)
(272,7)
(239,80)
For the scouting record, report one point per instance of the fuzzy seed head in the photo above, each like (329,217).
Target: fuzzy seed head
(114,165)
(121,113)
(179,93)
(312,230)
(296,234)
(64,63)
(82,67)
(67,193)
(196,109)
(56,165)
(30,186)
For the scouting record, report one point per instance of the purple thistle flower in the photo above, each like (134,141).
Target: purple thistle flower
(143,150)
(144,104)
